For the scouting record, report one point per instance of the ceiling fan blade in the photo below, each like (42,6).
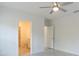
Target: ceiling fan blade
(51,12)
(46,7)
(67,3)
(76,11)
(63,10)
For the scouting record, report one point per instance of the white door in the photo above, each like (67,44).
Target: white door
(48,37)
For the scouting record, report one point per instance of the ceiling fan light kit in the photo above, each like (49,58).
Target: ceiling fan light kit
(55,9)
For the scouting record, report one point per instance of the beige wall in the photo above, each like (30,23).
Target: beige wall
(67,33)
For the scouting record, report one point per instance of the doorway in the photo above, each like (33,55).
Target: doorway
(24,37)
(48,36)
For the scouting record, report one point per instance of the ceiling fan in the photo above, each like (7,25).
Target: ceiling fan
(56,6)
(76,11)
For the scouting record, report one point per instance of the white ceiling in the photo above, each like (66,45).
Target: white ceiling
(33,8)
